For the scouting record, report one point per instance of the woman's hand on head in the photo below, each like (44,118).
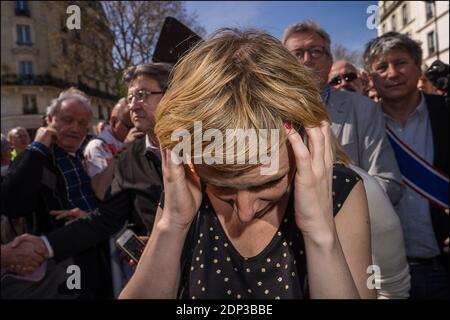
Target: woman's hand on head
(313,181)
(182,191)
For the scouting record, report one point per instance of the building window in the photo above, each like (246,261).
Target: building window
(26,68)
(405,14)
(429,9)
(22,8)
(383,28)
(394,22)
(29,104)
(431,43)
(23,34)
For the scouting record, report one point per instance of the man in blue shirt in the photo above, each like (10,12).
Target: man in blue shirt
(417,124)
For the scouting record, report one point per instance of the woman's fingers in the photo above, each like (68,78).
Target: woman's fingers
(326,131)
(316,160)
(317,148)
(172,165)
(301,153)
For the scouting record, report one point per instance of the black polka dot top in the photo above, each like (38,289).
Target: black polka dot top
(214,269)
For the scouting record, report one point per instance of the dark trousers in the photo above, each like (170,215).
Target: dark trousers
(429,280)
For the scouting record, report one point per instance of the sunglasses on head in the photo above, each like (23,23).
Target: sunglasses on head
(348,77)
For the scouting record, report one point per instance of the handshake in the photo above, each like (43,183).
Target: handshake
(23,255)
(27,252)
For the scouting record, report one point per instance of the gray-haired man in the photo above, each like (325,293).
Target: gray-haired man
(417,124)
(355,120)
(137,184)
(49,175)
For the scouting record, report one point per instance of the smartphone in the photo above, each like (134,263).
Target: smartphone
(130,243)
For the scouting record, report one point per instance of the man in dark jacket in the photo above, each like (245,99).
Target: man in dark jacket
(49,176)
(417,125)
(137,184)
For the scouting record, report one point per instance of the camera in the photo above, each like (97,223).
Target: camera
(438,74)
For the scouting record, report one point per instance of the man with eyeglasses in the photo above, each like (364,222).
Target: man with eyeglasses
(137,184)
(344,76)
(355,120)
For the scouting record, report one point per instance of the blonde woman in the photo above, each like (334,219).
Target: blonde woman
(230,230)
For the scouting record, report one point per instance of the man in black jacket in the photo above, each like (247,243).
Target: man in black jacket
(49,175)
(137,183)
(417,125)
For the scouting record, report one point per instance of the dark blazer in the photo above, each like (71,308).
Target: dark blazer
(438,113)
(33,187)
(358,124)
(134,196)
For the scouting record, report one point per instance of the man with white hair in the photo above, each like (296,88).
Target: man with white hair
(49,176)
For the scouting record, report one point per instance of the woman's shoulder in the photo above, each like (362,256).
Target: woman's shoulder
(344,179)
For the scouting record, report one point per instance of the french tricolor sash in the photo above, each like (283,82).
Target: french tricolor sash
(419,174)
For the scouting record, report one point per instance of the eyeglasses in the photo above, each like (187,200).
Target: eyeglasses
(315,52)
(142,95)
(348,77)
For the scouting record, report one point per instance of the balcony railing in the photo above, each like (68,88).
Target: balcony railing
(48,80)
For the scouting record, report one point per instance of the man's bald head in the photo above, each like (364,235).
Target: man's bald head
(122,111)
(120,119)
(345,76)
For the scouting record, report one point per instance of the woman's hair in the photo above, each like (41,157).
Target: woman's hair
(238,80)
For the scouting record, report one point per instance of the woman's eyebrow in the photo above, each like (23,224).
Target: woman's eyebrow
(219,183)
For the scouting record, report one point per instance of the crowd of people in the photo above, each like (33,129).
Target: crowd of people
(361,182)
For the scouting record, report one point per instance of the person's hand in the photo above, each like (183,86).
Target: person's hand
(313,181)
(69,215)
(144,239)
(132,135)
(24,254)
(46,136)
(182,191)
(446,245)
